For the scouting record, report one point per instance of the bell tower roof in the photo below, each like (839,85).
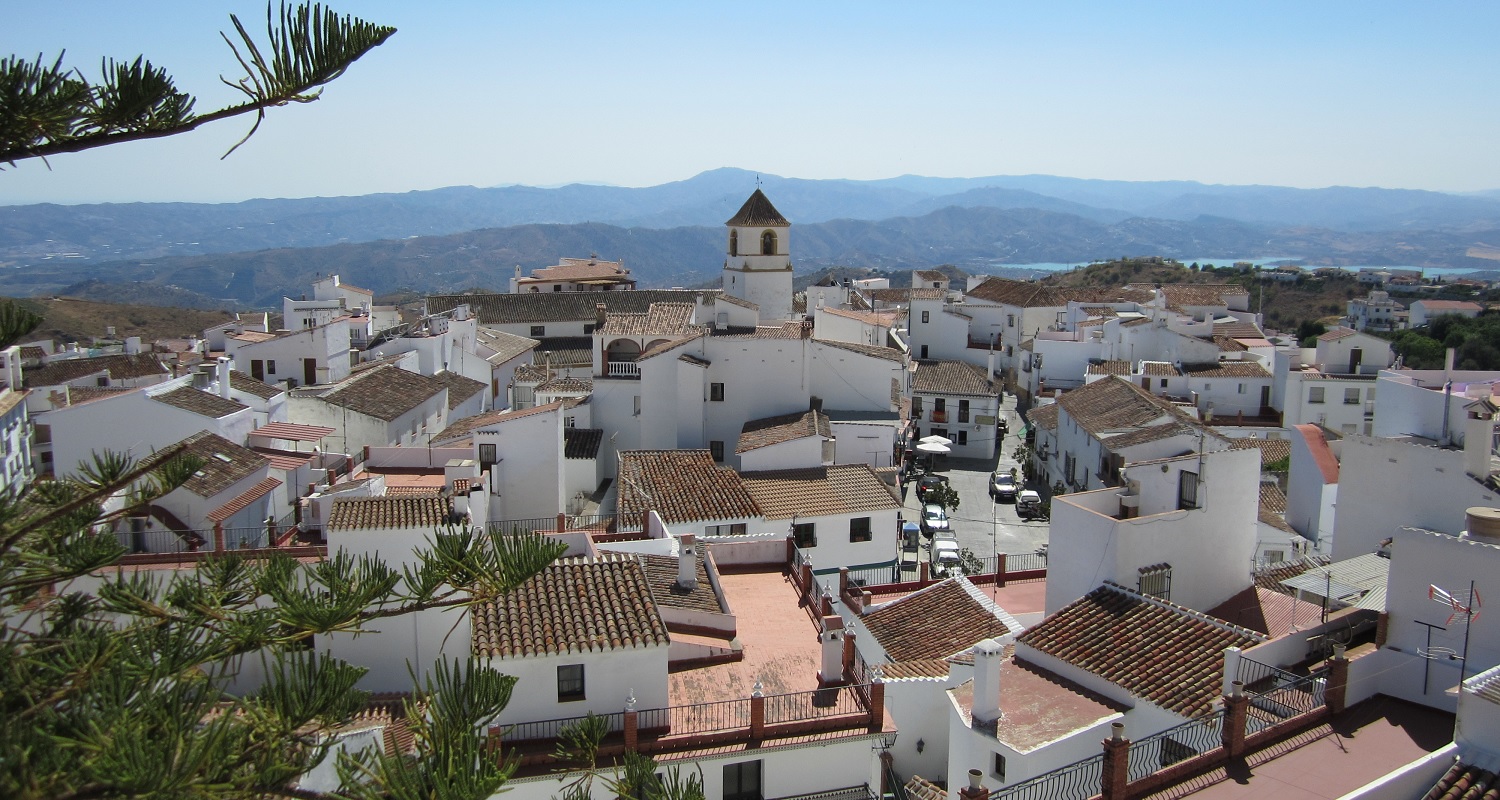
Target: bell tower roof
(757,212)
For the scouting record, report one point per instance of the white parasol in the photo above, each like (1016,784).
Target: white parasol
(933,447)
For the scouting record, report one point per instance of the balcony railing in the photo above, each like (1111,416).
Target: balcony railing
(622,369)
(939,416)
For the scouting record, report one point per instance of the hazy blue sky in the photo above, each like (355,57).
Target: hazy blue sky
(486,93)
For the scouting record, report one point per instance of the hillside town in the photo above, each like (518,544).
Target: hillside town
(994,540)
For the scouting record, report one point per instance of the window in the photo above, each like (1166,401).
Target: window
(1156,580)
(742,781)
(1163,383)
(588,330)
(637,405)
(1242,388)
(916,408)
(998,768)
(963,437)
(925,315)
(102,380)
(556,287)
(1351,397)
(805,534)
(924,347)
(716,392)
(570,422)
(569,683)
(257,369)
(716,449)
(271,366)
(734,243)
(733,529)
(963,411)
(859,529)
(1207,386)
(1010,320)
(1315,394)
(487,454)
(768,243)
(538,330)
(1187,489)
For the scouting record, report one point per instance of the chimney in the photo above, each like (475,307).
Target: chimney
(976,789)
(990,365)
(222,373)
(1483,524)
(987,657)
(832,639)
(687,563)
(1479,435)
(599,313)
(132,345)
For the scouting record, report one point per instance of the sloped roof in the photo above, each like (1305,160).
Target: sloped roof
(681,486)
(1044,416)
(120,367)
(468,425)
(758,433)
(1271,450)
(541,307)
(1159,651)
(1114,404)
(199,402)
(1121,368)
(661,319)
(1336,334)
(758,212)
(390,511)
(572,606)
(877,351)
(240,382)
(224,463)
(244,500)
(577,269)
(937,622)
(950,378)
(1226,369)
(505,346)
(1151,433)
(566,385)
(460,388)
(818,491)
(557,350)
(1272,498)
(1466,781)
(661,574)
(582,442)
(1449,305)
(384,393)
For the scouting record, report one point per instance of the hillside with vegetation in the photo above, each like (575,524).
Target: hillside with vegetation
(67,319)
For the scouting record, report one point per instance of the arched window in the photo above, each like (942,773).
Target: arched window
(768,243)
(734,243)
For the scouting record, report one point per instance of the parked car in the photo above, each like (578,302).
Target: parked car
(946,562)
(1003,486)
(934,519)
(1028,504)
(929,481)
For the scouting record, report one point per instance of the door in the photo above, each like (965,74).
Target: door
(1265,398)
(309,371)
(257,369)
(1355,356)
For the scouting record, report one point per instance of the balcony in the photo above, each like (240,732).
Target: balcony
(939,416)
(622,369)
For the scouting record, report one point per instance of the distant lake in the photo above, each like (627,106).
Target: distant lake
(1224,261)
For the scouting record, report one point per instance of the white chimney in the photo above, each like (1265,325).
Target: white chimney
(990,364)
(687,563)
(1479,427)
(988,655)
(221,370)
(832,640)
(132,345)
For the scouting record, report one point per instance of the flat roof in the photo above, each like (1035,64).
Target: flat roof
(292,432)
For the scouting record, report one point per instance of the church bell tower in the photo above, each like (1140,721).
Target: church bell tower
(758,267)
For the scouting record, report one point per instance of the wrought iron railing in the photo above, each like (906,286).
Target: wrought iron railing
(1161,750)
(551,729)
(718,717)
(875,576)
(837,701)
(1077,781)
(1022,562)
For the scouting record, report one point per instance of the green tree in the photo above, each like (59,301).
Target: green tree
(47,108)
(15,322)
(943,495)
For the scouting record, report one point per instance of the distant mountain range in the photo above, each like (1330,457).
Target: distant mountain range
(251,253)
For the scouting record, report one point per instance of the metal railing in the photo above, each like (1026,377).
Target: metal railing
(719,717)
(573,522)
(837,701)
(1077,781)
(875,576)
(1021,562)
(1279,694)
(551,729)
(1161,750)
(161,540)
(860,792)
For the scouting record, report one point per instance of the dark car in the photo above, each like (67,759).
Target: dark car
(1003,486)
(927,482)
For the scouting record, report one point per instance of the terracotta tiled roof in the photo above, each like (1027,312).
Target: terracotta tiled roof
(1463,781)
(887,353)
(1158,651)
(530,373)
(1275,520)
(541,307)
(1264,611)
(818,491)
(937,622)
(1317,445)
(681,486)
(1271,450)
(661,574)
(582,442)
(224,463)
(1238,330)
(566,386)
(292,432)
(1152,433)
(664,347)
(931,275)
(919,788)
(758,212)
(1121,368)
(78,395)
(468,425)
(390,511)
(460,388)
(1159,369)
(1229,345)
(758,433)
(785,330)
(504,346)
(384,393)
(1272,498)
(577,269)
(1336,334)
(199,402)
(1114,404)
(917,668)
(662,319)
(950,378)
(881,318)
(119,367)
(240,382)
(244,500)
(572,606)
(1449,305)
(33,352)
(349,287)
(563,350)
(1226,369)
(1271,576)
(1044,416)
